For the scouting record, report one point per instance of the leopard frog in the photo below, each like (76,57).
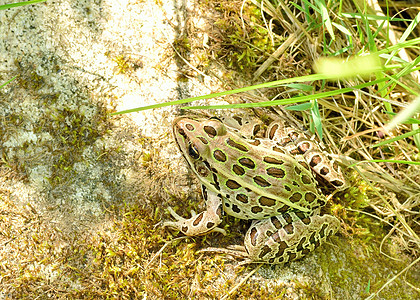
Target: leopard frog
(269,179)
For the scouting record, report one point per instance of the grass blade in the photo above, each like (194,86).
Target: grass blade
(11,5)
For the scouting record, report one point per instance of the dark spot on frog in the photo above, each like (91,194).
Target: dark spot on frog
(236,145)
(303,147)
(201,169)
(295,197)
(253,235)
(283,209)
(304,164)
(219,211)
(288,228)
(182,133)
(275,172)
(242,197)
(189,126)
(294,151)
(306,179)
(278,149)
(256,129)
(247,162)
(232,184)
(310,197)
(198,219)
(272,160)
(235,209)
(264,251)
(210,225)
(306,251)
(322,231)
(337,183)
(281,246)
(261,181)
(300,245)
(216,182)
(272,132)
(276,223)
(287,218)
(266,201)
(255,142)
(203,140)
(315,160)
(238,170)
(238,119)
(324,171)
(256,209)
(210,131)
(219,155)
(204,192)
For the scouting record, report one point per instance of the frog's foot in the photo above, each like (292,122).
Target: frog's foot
(281,239)
(198,224)
(202,223)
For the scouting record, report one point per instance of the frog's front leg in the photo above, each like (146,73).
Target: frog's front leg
(287,237)
(204,222)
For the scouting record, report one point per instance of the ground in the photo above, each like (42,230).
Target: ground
(82,192)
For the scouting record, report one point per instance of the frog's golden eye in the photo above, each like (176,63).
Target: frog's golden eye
(193,151)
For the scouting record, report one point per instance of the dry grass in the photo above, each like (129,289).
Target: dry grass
(127,256)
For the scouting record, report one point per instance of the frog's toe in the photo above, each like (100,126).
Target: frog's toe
(174,215)
(218,229)
(198,224)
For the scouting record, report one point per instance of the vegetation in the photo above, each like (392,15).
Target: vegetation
(371,122)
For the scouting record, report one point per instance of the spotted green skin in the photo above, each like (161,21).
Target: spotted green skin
(258,179)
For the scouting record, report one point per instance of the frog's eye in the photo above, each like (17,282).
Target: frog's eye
(215,118)
(193,151)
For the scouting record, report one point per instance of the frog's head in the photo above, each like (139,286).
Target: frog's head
(196,138)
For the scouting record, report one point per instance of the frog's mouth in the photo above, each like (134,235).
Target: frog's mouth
(187,143)
(180,135)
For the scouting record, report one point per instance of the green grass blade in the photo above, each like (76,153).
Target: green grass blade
(410,28)
(326,18)
(372,17)
(11,5)
(316,118)
(312,77)
(325,76)
(300,107)
(387,161)
(416,136)
(291,100)
(412,109)
(7,82)
(397,138)
(408,121)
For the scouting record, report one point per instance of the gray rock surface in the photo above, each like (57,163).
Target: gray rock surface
(67,159)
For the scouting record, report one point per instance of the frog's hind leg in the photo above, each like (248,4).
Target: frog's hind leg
(284,238)
(203,222)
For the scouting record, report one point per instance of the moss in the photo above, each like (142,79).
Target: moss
(245,40)
(122,64)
